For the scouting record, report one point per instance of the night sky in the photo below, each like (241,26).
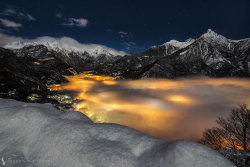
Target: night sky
(128,25)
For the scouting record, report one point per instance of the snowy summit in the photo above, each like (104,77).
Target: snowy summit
(63,44)
(179,44)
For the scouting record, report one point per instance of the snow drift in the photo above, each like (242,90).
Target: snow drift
(39,135)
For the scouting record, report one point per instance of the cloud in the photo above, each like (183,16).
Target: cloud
(164,108)
(6,39)
(124,34)
(8,23)
(129,44)
(59,15)
(13,42)
(29,17)
(15,13)
(8,12)
(80,22)
(4,31)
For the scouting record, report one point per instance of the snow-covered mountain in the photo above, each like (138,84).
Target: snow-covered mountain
(33,63)
(178,44)
(65,45)
(212,37)
(211,55)
(31,67)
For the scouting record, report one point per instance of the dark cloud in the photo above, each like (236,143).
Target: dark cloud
(77,22)
(59,15)
(129,44)
(16,13)
(124,34)
(10,24)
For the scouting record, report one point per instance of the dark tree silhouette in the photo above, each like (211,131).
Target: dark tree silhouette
(234,131)
(238,124)
(213,138)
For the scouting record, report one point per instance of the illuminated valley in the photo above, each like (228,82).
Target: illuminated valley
(90,83)
(172,109)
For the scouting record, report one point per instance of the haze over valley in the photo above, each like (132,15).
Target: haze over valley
(126,83)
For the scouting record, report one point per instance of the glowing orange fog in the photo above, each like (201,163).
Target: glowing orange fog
(180,99)
(173,109)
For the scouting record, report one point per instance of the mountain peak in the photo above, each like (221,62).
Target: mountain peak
(212,37)
(179,44)
(211,33)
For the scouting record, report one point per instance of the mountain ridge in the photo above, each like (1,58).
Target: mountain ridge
(63,44)
(209,55)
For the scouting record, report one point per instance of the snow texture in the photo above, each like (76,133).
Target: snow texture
(39,135)
(212,37)
(179,44)
(238,157)
(65,44)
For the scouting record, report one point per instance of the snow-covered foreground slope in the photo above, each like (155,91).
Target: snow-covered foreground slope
(39,135)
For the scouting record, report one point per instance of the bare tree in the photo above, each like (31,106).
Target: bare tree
(234,131)
(213,138)
(229,140)
(238,126)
